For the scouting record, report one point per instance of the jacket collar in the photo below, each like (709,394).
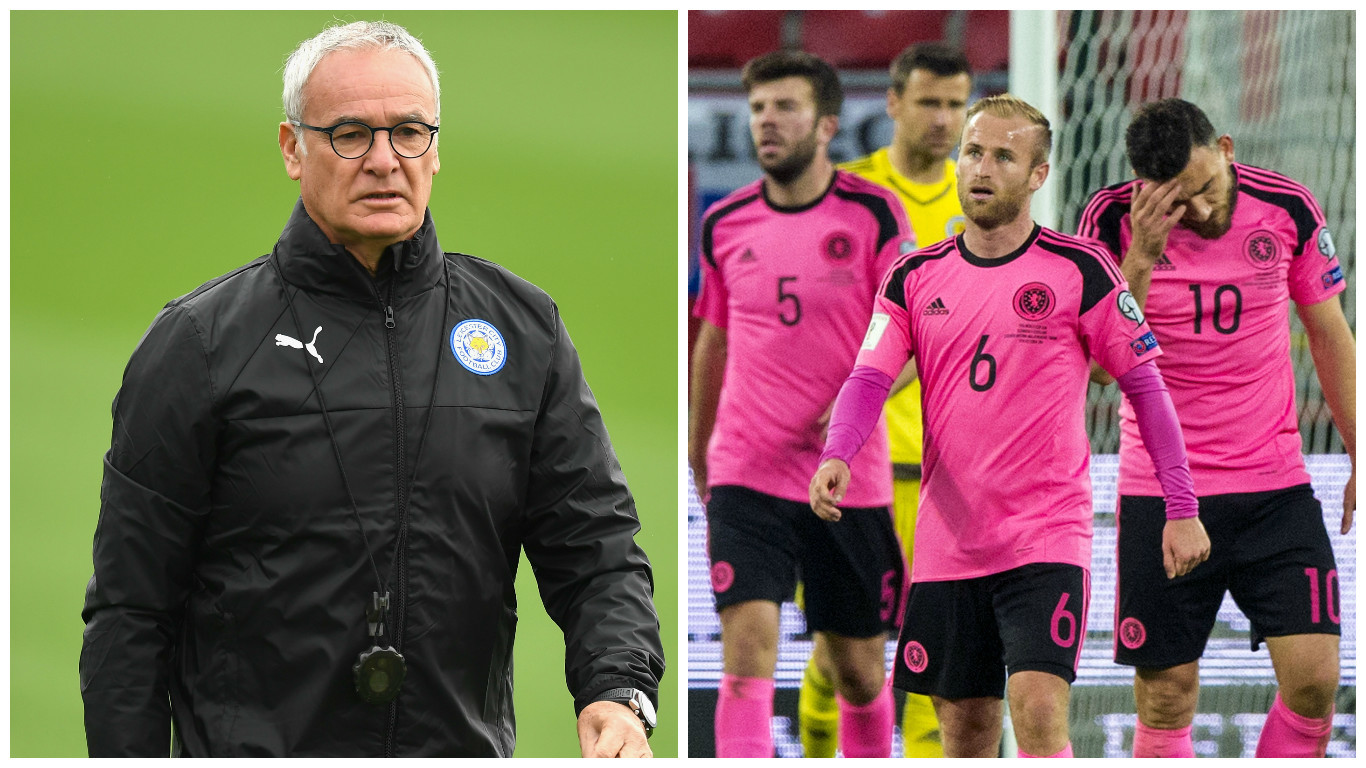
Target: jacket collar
(308,260)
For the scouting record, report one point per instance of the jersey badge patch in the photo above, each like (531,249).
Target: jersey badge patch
(747,256)
(1034,301)
(479,347)
(1164,264)
(1332,277)
(1128,307)
(1143,343)
(838,246)
(875,329)
(1326,244)
(1261,249)
(955,226)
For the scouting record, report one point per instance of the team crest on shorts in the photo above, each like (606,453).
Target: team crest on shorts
(479,347)
(1261,249)
(1034,301)
(1132,633)
(722,576)
(838,246)
(915,657)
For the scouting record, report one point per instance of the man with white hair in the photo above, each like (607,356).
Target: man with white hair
(310,548)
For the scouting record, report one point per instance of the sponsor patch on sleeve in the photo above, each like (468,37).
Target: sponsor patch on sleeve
(1143,343)
(1332,277)
(875,328)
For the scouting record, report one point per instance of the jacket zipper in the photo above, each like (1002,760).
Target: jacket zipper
(396,618)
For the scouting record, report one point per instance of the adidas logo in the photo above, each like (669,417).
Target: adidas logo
(748,255)
(937,307)
(1164,263)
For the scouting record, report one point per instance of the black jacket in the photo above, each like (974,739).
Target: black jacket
(231,576)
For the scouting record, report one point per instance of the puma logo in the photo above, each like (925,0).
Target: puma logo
(282,340)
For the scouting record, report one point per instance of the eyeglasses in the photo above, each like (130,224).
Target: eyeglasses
(351,140)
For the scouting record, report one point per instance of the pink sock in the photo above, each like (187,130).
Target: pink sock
(1066,752)
(744,707)
(1156,742)
(1287,734)
(866,731)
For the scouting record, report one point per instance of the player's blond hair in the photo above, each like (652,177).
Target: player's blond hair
(1005,105)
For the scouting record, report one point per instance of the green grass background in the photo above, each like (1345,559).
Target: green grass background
(144,162)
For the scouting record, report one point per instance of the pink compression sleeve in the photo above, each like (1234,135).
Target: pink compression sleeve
(856,412)
(1161,432)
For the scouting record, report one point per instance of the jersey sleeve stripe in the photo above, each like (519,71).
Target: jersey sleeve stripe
(709,225)
(1306,223)
(1279,183)
(1096,279)
(1101,218)
(887,227)
(894,283)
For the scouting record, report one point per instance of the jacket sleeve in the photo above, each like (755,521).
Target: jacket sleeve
(594,580)
(153,502)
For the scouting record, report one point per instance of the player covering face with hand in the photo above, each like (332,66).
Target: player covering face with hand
(1001,322)
(1215,251)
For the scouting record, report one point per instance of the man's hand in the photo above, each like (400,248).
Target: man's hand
(1152,217)
(1184,546)
(1349,500)
(827,488)
(609,729)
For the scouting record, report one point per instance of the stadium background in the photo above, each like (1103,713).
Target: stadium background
(144,161)
(1282,83)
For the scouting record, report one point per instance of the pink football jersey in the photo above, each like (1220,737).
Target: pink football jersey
(793,289)
(1220,309)
(1003,346)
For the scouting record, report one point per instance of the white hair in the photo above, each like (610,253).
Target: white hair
(383,35)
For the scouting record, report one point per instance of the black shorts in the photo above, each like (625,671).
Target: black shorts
(759,545)
(960,638)
(1270,550)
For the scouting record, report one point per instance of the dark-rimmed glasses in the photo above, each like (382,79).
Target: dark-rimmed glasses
(351,140)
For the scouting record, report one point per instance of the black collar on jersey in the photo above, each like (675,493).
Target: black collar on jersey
(978,261)
(308,260)
(798,208)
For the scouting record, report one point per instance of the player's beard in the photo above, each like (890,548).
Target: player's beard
(1216,227)
(785,170)
(1002,208)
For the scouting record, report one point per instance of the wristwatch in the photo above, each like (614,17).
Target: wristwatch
(637,701)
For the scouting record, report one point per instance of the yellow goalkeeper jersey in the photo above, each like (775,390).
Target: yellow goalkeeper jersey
(935,215)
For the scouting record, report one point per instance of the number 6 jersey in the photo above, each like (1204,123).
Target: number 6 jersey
(1003,347)
(793,288)
(1219,308)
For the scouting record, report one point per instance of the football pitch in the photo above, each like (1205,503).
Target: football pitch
(144,162)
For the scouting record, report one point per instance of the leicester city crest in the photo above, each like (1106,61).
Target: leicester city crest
(479,347)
